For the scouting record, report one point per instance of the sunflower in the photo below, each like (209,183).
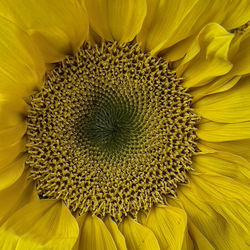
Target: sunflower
(124,124)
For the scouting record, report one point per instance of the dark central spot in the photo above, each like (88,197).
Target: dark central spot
(109,127)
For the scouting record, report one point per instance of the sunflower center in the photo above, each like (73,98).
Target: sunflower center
(108,125)
(111,132)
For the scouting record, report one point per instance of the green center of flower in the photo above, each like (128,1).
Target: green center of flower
(111,133)
(111,123)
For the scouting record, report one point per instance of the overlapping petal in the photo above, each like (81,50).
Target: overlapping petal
(172,34)
(221,132)
(9,153)
(93,234)
(205,211)
(57,27)
(16,195)
(237,14)
(218,85)
(12,112)
(207,57)
(21,64)
(169,226)
(12,171)
(12,139)
(239,147)
(230,106)
(224,164)
(229,198)
(11,135)
(238,55)
(199,240)
(183,20)
(137,236)
(41,224)
(116,234)
(116,20)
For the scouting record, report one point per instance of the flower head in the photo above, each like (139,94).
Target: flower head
(124,124)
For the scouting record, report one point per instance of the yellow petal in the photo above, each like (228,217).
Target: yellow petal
(240,54)
(142,217)
(178,50)
(58,27)
(204,149)
(116,234)
(42,224)
(207,57)
(12,135)
(21,64)
(16,196)
(187,242)
(225,164)
(217,231)
(12,142)
(238,13)
(10,118)
(218,85)
(228,198)
(168,223)
(199,240)
(12,112)
(138,237)
(229,107)
(212,186)
(93,234)
(220,132)
(10,173)
(240,147)
(118,20)
(8,154)
(169,22)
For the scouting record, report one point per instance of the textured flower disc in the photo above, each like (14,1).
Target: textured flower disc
(111,132)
